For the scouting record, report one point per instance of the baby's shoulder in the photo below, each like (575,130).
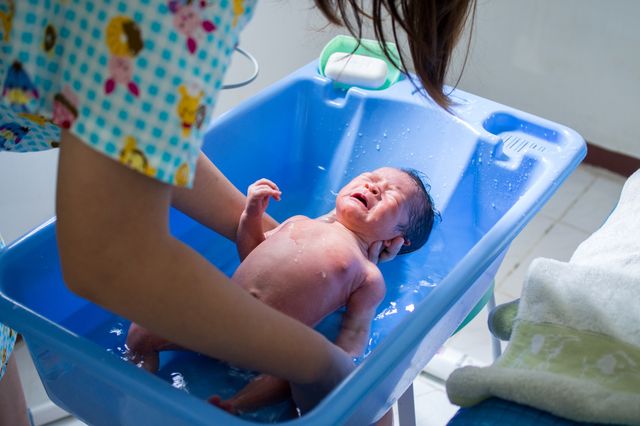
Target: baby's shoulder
(298,218)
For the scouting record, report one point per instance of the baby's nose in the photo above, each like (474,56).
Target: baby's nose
(373,188)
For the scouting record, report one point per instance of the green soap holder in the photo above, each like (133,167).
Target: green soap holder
(371,48)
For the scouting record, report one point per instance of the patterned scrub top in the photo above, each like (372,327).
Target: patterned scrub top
(135,80)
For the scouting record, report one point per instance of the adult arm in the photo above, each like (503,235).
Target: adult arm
(116,250)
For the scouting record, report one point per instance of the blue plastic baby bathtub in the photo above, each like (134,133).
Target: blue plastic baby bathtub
(491,168)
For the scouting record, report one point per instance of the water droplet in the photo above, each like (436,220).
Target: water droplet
(359,134)
(178,381)
(321,168)
(378,146)
(425,283)
(384,134)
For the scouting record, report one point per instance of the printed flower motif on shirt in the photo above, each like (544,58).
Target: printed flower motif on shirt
(132,157)
(65,108)
(11,134)
(124,40)
(201,115)
(38,119)
(188,109)
(50,37)
(6,19)
(238,11)
(182,175)
(188,22)
(18,88)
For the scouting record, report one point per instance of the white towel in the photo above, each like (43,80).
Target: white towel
(575,346)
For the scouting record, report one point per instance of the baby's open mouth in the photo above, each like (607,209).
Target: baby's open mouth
(360,198)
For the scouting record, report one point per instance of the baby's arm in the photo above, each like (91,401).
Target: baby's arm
(361,307)
(250,231)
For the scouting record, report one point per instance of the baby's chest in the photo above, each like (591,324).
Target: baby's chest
(327,257)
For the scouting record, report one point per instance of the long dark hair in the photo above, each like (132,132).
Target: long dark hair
(433,28)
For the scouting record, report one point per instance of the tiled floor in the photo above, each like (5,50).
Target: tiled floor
(577,209)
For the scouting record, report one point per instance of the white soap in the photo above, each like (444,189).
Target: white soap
(356,70)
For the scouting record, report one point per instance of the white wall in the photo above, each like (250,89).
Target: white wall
(283,36)
(576,62)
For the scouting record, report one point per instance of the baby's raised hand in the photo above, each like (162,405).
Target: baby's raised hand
(258,196)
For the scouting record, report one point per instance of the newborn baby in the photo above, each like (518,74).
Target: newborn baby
(309,268)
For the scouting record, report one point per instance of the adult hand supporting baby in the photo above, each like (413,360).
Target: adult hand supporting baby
(384,251)
(308,395)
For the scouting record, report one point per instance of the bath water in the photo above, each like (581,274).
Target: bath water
(409,280)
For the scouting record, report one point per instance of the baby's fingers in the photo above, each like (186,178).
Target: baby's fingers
(265,187)
(265,182)
(374,251)
(263,192)
(391,249)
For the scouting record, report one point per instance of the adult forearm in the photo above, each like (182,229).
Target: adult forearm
(213,200)
(116,250)
(196,306)
(353,342)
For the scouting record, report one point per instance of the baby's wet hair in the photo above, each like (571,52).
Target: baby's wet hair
(422,214)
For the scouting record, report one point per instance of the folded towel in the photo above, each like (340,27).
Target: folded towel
(575,346)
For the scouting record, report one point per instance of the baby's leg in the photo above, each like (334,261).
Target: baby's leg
(262,391)
(144,347)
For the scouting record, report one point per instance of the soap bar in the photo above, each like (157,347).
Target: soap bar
(356,70)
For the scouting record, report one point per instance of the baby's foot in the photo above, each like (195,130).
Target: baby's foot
(218,402)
